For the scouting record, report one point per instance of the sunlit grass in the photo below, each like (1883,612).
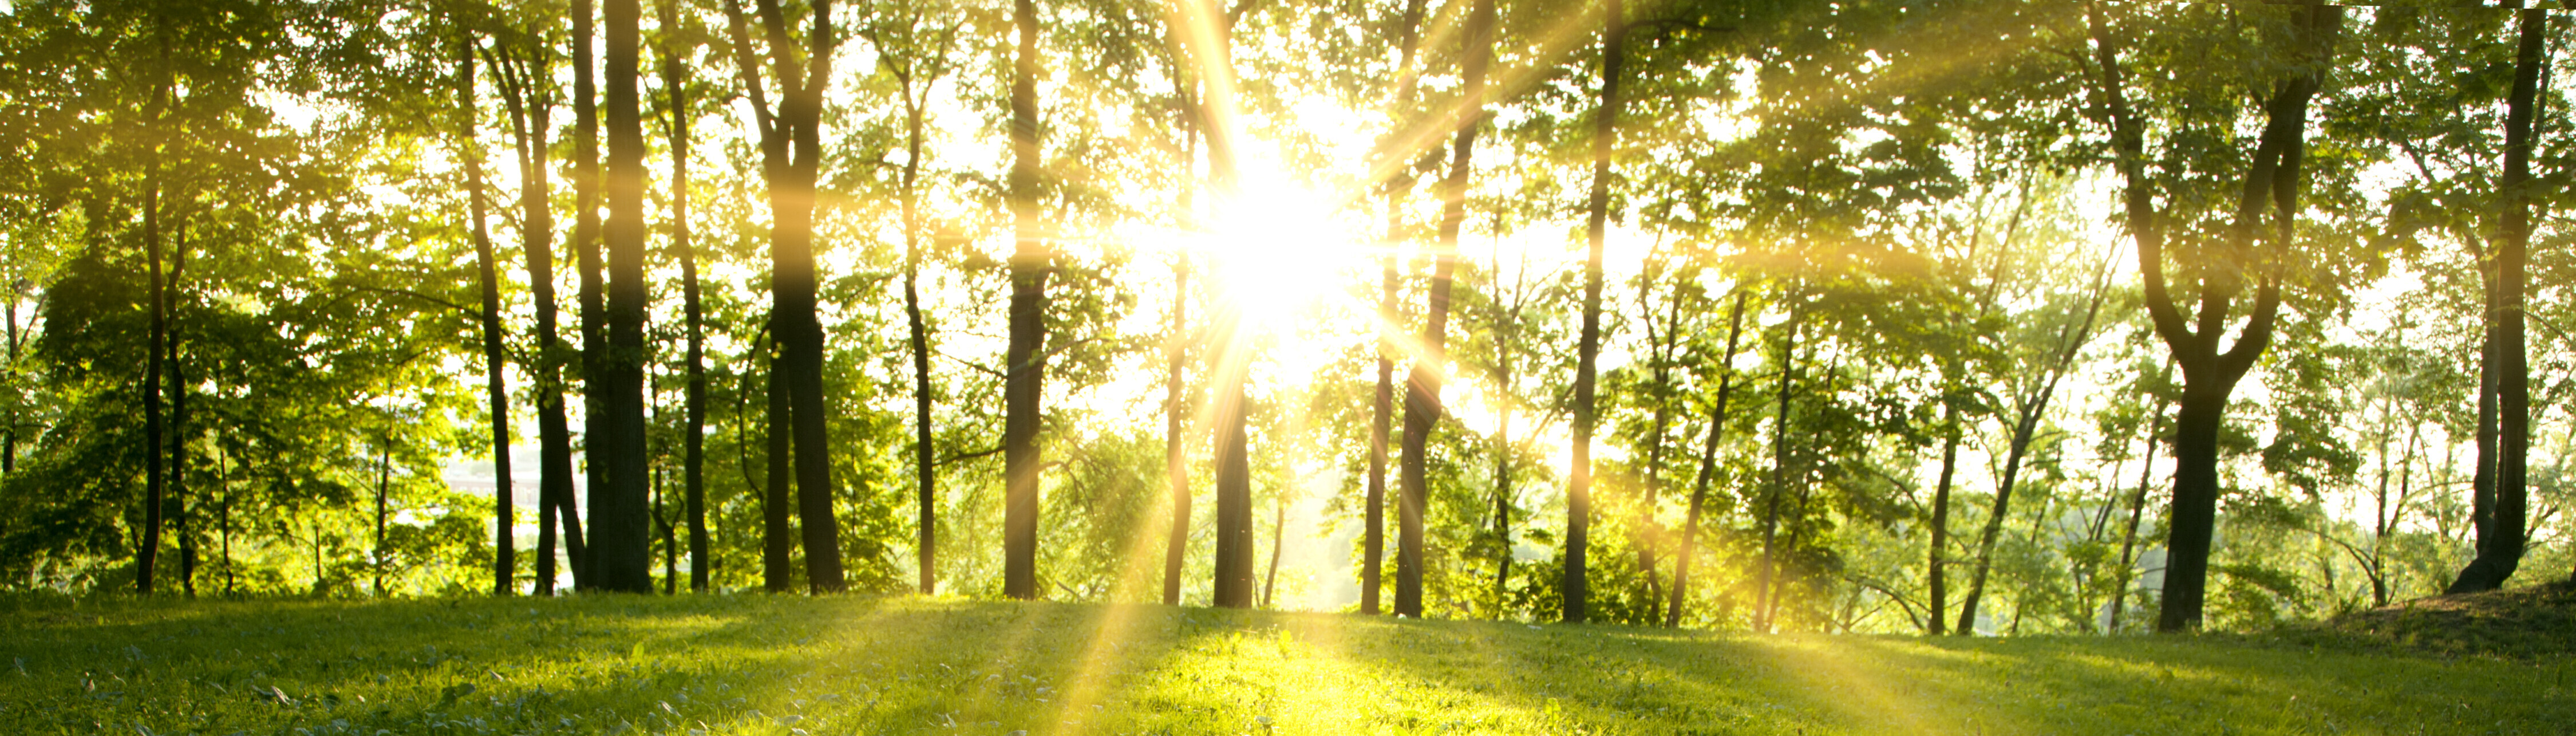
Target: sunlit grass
(760,665)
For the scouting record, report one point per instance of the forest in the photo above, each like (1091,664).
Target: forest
(1977,317)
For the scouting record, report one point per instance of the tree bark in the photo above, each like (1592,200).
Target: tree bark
(675,75)
(791,156)
(147,552)
(1422,390)
(1707,463)
(1278,541)
(384,483)
(496,387)
(1175,456)
(526,92)
(1382,411)
(588,266)
(2137,510)
(2209,375)
(621,530)
(1025,358)
(778,543)
(1779,464)
(925,467)
(1578,488)
(1936,569)
(2502,529)
(178,492)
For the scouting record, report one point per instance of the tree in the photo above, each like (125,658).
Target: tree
(527,90)
(1024,363)
(1578,489)
(675,77)
(496,387)
(2501,512)
(2210,375)
(791,155)
(1422,389)
(1707,462)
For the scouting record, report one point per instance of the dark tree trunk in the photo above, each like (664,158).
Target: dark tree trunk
(2502,527)
(778,543)
(675,76)
(1707,464)
(2210,375)
(1937,570)
(1503,462)
(589,268)
(384,483)
(621,530)
(529,96)
(1382,412)
(9,430)
(178,493)
(1422,390)
(1578,488)
(790,150)
(1779,465)
(147,552)
(1025,357)
(496,387)
(1176,472)
(924,468)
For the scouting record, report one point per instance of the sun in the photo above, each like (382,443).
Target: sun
(1275,250)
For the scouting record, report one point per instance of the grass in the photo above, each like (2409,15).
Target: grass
(856,665)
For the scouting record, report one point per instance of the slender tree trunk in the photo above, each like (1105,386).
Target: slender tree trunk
(384,483)
(1937,569)
(147,553)
(2502,530)
(9,431)
(925,468)
(1278,540)
(1382,411)
(529,97)
(1176,473)
(1025,357)
(778,543)
(1503,471)
(1707,464)
(1422,391)
(1779,466)
(1578,488)
(178,498)
(675,75)
(2137,510)
(496,386)
(591,291)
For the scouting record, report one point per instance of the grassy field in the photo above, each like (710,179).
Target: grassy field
(792,665)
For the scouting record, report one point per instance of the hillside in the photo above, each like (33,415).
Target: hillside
(2533,622)
(761,665)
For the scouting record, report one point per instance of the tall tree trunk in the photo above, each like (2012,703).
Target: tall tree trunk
(2034,408)
(1382,411)
(791,155)
(675,76)
(1422,390)
(621,530)
(178,498)
(1779,463)
(2137,510)
(778,545)
(924,468)
(1278,541)
(2502,529)
(384,485)
(9,429)
(1503,465)
(1578,488)
(2209,375)
(1176,474)
(1025,357)
(147,552)
(1937,568)
(495,387)
(590,294)
(527,92)
(1707,463)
